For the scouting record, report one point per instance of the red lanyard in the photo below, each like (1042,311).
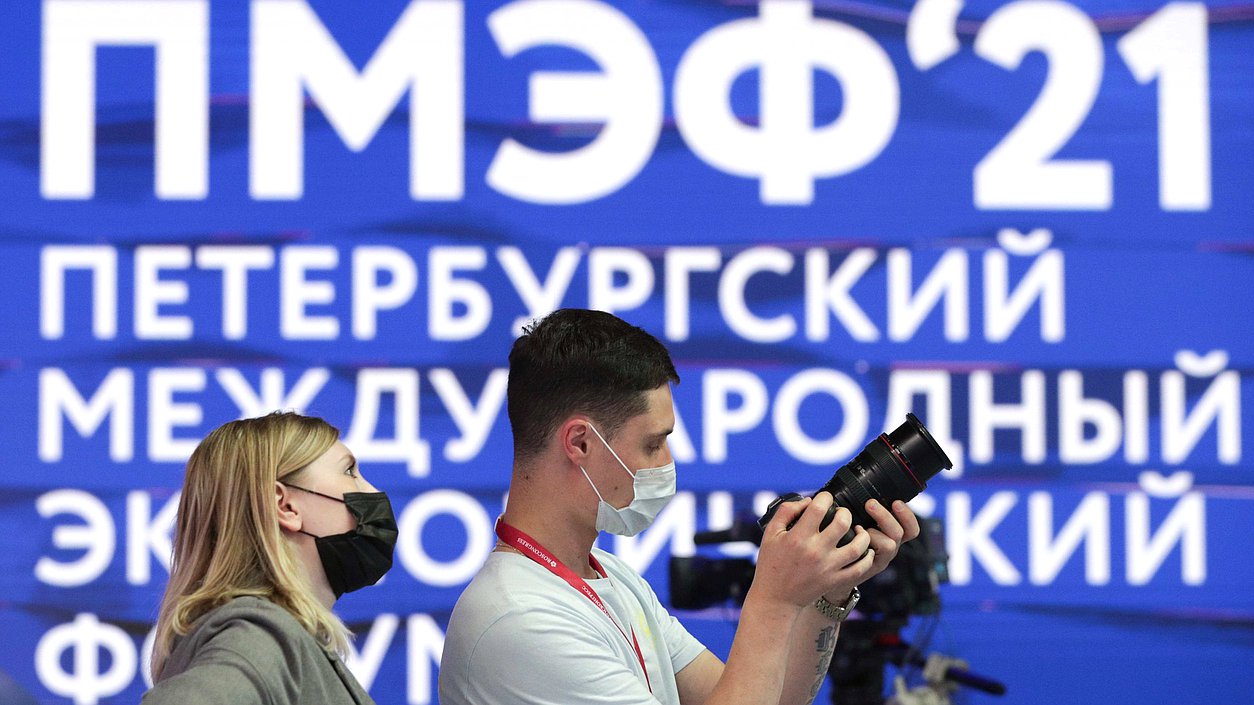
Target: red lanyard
(530,548)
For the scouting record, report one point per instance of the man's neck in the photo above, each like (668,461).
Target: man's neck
(542,513)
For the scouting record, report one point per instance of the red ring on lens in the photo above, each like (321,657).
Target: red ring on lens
(901,459)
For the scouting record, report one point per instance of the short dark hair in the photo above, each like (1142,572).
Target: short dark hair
(581,361)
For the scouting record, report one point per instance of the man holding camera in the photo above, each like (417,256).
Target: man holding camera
(550,619)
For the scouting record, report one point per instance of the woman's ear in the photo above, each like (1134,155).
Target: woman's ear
(289,513)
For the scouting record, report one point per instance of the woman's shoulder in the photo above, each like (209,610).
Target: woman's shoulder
(249,608)
(250,650)
(249,625)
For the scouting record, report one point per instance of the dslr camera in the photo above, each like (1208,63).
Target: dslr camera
(896,465)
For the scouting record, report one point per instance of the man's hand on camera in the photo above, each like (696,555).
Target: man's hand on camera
(798,565)
(893,530)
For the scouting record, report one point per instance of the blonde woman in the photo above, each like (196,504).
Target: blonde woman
(275,523)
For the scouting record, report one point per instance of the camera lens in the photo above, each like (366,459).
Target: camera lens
(896,465)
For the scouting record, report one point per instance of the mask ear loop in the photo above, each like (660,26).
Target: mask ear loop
(590,482)
(335,499)
(611,450)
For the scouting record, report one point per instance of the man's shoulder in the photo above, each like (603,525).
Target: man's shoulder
(508,599)
(519,629)
(509,585)
(508,581)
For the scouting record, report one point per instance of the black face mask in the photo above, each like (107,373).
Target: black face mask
(358,558)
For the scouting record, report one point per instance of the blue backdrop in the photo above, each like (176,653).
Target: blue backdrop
(1029,222)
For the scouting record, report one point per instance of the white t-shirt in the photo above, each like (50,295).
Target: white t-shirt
(520,634)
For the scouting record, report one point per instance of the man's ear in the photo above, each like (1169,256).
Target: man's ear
(573,436)
(289,514)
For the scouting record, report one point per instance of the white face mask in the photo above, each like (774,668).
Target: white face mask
(653,488)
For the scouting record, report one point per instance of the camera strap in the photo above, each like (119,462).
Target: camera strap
(528,547)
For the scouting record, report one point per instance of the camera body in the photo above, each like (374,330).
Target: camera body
(896,465)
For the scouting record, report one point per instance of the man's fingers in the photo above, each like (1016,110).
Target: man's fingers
(865,564)
(882,542)
(907,519)
(885,520)
(852,551)
(813,515)
(786,512)
(842,520)
(858,568)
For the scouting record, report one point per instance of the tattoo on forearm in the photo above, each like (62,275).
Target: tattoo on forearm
(825,646)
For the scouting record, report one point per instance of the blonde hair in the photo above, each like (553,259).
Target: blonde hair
(227,540)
